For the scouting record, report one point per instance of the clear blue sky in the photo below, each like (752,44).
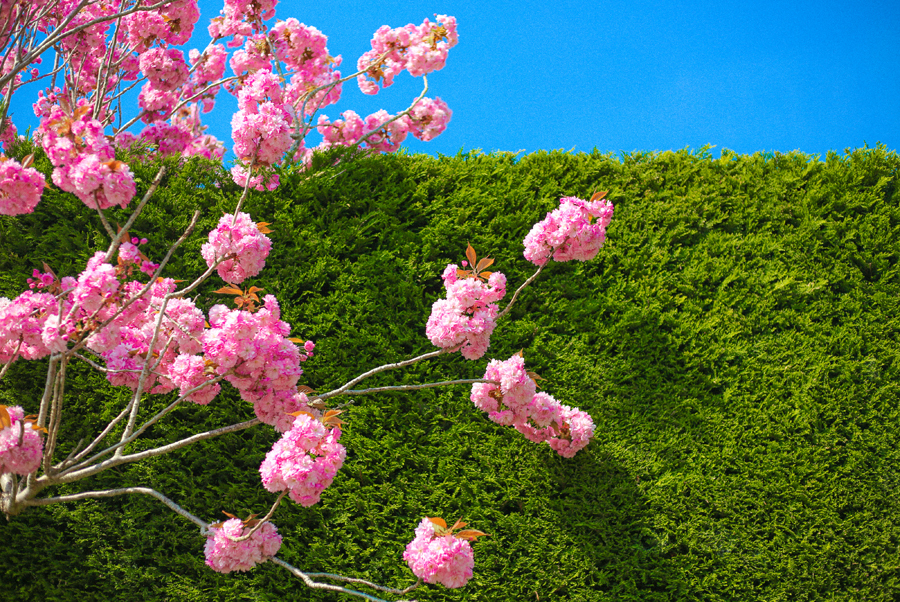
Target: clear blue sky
(623,75)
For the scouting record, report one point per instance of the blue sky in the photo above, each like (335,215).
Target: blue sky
(623,75)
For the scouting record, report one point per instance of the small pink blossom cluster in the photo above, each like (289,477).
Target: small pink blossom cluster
(418,49)
(262,126)
(207,68)
(569,231)
(22,323)
(241,18)
(15,457)
(242,246)
(224,555)
(303,51)
(304,461)
(442,559)
(83,159)
(278,409)
(384,133)
(173,24)
(20,187)
(467,317)
(8,133)
(541,418)
(253,352)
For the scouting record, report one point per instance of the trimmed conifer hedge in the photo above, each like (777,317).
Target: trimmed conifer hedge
(735,342)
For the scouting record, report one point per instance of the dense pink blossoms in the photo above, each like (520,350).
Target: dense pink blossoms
(569,231)
(24,458)
(442,559)
(241,243)
(20,187)
(304,461)
(467,317)
(224,555)
(538,416)
(84,160)
(418,49)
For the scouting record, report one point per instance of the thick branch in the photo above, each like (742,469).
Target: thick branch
(89,495)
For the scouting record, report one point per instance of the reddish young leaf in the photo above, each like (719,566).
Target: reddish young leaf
(27,161)
(470,534)
(5,420)
(305,389)
(438,521)
(598,196)
(298,412)
(255,289)
(229,290)
(262,227)
(458,525)
(297,340)
(470,255)
(228,514)
(484,263)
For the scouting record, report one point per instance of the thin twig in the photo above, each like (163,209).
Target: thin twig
(446,383)
(337,588)
(261,522)
(519,290)
(340,390)
(134,215)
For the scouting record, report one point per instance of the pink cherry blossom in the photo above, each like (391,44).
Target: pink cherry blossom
(15,457)
(569,232)
(508,402)
(443,559)
(242,246)
(224,555)
(304,461)
(467,317)
(20,187)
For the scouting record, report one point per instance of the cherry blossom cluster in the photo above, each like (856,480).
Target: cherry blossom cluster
(569,231)
(443,559)
(304,461)
(541,418)
(467,317)
(262,126)
(417,49)
(83,159)
(252,351)
(303,50)
(382,132)
(224,555)
(99,59)
(239,245)
(21,447)
(20,187)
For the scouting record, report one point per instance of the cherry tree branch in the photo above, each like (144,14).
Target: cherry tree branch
(519,290)
(261,522)
(306,577)
(76,475)
(446,383)
(340,390)
(90,495)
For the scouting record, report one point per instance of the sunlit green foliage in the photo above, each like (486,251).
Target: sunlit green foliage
(735,343)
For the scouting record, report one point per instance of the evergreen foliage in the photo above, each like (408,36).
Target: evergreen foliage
(735,342)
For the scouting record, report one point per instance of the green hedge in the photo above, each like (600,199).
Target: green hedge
(735,342)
